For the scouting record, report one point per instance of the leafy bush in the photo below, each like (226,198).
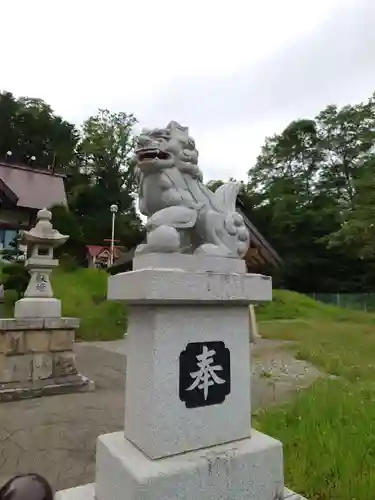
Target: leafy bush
(13,253)
(16,278)
(10,298)
(68,262)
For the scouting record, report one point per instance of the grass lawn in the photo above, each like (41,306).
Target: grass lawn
(328,430)
(83,294)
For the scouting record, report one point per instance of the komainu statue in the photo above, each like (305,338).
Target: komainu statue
(184,215)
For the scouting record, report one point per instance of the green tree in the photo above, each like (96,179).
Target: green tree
(65,221)
(29,128)
(95,158)
(103,175)
(310,189)
(347,138)
(350,176)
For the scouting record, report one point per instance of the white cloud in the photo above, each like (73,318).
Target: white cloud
(233,71)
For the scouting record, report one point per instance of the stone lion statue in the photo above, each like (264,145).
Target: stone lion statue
(184,215)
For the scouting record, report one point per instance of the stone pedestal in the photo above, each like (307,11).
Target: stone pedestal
(37,358)
(35,307)
(187,431)
(249,469)
(38,300)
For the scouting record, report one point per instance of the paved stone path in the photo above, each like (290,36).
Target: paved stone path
(56,436)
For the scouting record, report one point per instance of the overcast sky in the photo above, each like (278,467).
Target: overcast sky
(234,72)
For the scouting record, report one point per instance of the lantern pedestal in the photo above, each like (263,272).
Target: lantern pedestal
(38,300)
(35,307)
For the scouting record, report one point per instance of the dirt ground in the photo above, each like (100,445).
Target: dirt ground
(277,374)
(56,436)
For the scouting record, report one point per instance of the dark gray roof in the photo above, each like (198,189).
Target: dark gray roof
(33,188)
(258,240)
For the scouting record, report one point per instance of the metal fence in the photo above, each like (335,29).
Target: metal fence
(360,301)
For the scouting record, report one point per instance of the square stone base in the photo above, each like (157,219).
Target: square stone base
(249,469)
(49,387)
(33,307)
(87,492)
(37,358)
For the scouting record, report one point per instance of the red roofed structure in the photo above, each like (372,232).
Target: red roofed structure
(100,255)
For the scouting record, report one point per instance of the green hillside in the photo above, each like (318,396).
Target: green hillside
(292,305)
(83,294)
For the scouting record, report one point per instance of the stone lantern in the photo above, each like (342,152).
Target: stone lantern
(37,355)
(38,300)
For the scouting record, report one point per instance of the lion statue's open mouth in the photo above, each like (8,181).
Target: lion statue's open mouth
(147,154)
